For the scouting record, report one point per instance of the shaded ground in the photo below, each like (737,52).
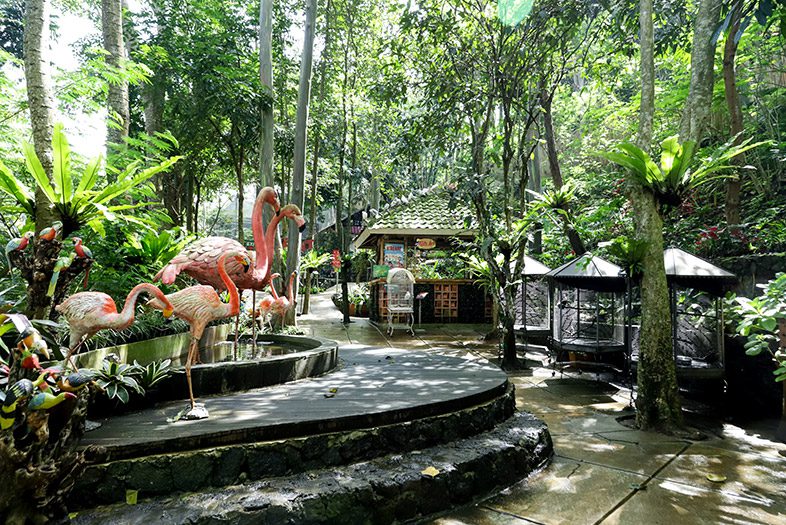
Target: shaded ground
(603,472)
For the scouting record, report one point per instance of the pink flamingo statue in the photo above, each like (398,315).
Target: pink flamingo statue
(284,303)
(198,305)
(90,312)
(266,304)
(200,258)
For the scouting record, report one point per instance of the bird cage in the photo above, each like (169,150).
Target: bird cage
(400,300)
(589,321)
(533,309)
(696,289)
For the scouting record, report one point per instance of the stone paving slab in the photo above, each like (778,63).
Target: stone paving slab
(566,492)
(372,382)
(669,503)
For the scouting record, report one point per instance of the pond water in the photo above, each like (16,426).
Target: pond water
(222,352)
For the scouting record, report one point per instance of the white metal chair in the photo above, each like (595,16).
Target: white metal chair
(401,299)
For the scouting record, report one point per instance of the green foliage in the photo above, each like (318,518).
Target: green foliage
(629,253)
(156,248)
(758,319)
(153,373)
(679,170)
(359,295)
(119,380)
(313,260)
(82,202)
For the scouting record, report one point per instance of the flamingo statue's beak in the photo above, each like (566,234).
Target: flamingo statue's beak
(244,262)
(168,313)
(302,226)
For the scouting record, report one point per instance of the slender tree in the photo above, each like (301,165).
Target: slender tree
(117,98)
(301,127)
(657,402)
(39,96)
(702,64)
(734,183)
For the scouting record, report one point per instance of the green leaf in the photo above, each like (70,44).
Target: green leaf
(35,169)
(111,390)
(61,165)
(122,394)
(14,187)
(769,324)
(89,177)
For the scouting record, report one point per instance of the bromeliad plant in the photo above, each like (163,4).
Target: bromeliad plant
(118,380)
(679,170)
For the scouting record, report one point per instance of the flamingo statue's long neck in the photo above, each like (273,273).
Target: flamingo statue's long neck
(270,239)
(291,289)
(234,297)
(258,231)
(126,316)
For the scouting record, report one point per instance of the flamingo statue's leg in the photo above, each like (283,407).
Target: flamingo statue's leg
(68,360)
(253,322)
(237,326)
(189,358)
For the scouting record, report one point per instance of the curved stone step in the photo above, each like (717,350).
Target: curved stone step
(161,474)
(383,490)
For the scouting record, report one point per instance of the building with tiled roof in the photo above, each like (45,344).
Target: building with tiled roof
(425,215)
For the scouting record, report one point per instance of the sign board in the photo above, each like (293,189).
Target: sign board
(394,255)
(426,244)
(379,270)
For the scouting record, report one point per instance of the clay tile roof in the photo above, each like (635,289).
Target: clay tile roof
(428,211)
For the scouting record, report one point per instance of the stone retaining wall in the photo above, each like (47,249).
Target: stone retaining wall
(190,471)
(385,490)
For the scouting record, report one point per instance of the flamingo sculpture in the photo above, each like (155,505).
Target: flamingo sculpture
(198,305)
(200,258)
(90,312)
(266,304)
(284,303)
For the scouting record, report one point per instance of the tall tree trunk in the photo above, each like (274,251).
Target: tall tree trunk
(117,97)
(551,142)
(342,242)
(266,78)
(301,127)
(36,43)
(657,402)
(39,96)
(734,183)
(702,63)
(576,244)
(647,43)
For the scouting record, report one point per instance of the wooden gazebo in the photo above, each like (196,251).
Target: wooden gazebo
(407,230)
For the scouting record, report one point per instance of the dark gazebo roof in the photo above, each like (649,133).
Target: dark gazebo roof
(592,273)
(534,268)
(685,269)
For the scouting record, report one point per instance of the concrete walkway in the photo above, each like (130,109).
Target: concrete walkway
(603,471)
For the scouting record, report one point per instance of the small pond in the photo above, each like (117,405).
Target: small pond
(223,351)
